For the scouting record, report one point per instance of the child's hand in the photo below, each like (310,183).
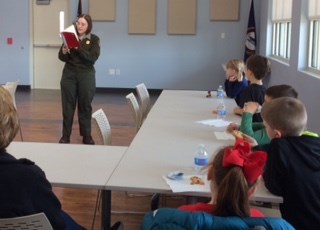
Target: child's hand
(232,126)
(232,78)
(250,140)
(238,110)
(250,107)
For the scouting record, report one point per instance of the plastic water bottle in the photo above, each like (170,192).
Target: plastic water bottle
(220,93)
(200,158)
(221,110)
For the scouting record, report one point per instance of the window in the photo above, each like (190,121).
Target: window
(281,28)
(314,34)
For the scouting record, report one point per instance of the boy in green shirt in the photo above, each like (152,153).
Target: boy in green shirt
(257,130)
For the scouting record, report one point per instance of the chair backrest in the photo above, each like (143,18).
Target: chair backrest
(103,124)
(12,87)
(135,109)
(144,99)
(171,218)
(37,221)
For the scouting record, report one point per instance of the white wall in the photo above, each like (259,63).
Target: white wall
(165,61)
(15,58)
(162,61)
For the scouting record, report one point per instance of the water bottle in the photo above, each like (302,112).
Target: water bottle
(200,158)
(220,93)
(221,110)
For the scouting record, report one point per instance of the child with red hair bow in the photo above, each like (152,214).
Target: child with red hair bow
(234,173)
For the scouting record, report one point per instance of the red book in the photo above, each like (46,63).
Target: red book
(70,37)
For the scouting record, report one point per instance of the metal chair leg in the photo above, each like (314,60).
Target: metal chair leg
(21,133)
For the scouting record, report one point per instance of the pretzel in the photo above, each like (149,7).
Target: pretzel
(196,180)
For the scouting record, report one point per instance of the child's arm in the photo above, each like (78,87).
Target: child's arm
(237,110)
(233,89)
(254,130)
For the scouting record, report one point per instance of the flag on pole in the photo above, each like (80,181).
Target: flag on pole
(79,12)
(251,39)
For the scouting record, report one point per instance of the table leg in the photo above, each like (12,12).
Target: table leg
(106,210)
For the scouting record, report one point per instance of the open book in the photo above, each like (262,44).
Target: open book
(70,37)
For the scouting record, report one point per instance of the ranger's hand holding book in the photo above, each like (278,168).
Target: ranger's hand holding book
(70,39)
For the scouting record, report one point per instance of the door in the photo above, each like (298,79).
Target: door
(46,43)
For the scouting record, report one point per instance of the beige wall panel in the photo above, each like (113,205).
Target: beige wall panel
(224,10)
(182,16)
(142,16)
(102,10)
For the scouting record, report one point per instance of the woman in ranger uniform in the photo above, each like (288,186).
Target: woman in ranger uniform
(78,80)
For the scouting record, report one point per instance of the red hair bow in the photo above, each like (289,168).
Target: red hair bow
(251,162)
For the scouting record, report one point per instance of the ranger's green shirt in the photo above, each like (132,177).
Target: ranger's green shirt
(83,58)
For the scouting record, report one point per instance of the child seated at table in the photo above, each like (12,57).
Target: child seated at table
(24,188)
(257,130)
(256,69)
(233,175)
(293,166)
(235,81)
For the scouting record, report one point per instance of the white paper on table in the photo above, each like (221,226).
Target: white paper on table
(215,122)
(223,136)
(183,185)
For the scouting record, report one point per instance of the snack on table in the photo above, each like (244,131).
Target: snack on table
(196,180)
(237,134)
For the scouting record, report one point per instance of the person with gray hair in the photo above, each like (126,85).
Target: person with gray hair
(24,188)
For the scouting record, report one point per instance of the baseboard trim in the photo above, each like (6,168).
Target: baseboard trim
(125,90)
(24,87)
(103,90)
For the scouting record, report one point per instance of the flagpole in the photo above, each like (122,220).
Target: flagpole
(79,12)
(251,37)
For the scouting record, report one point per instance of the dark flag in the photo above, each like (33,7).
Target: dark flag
(79,8)
(251,40)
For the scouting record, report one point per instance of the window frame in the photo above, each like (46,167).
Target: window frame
(314,46)
(281,30)
(281,39)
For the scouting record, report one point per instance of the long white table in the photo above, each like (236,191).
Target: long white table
(74,165)
(167,141)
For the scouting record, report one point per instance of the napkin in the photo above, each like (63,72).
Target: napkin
(183,185)
(215,122)
(223,136)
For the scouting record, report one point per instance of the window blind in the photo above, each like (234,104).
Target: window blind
(314,9)
(282,10)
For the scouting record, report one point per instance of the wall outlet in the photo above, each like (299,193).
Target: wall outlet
(117,71)
(112,71)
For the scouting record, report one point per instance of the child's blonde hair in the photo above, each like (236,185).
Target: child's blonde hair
(236,65)
(286,114)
